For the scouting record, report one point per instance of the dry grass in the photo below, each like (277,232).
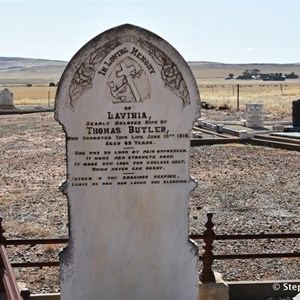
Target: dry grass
(276,97)
(35,95)
(27,229)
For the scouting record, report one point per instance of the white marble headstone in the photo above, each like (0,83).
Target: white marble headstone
(127,101)
(6,98)
(255,115)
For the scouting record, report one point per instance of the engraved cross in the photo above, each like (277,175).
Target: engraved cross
(127,71)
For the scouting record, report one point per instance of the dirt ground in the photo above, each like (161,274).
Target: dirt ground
(249,189)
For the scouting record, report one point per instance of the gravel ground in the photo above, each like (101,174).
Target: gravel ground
(249,189)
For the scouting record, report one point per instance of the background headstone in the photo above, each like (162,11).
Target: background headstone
(255,115)
(296,113)
(127,102)
(6,99)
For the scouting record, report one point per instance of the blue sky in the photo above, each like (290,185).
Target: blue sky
(221,31)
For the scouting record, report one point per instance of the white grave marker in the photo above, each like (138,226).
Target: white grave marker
(127,102)
(255,115)
(6,99)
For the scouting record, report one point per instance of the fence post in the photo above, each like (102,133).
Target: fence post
(207,275)
(2,237)
(281,89)
(9,280)
(25,294)
(238,97)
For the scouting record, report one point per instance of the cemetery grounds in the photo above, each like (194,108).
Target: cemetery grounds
(276,96)
(250,189)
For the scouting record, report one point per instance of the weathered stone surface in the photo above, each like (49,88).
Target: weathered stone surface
(127,102)
(6,99)
(255,117)
(296,113)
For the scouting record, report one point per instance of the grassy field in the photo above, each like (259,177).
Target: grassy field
(276,97)
(35,95)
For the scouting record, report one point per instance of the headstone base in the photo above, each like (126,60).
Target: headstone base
(7,107)
(292,129)
(243,134)
(278,127)
(218,290)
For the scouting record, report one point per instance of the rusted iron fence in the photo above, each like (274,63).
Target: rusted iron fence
(207,258)
(33,242)
(209,237)
(9,282)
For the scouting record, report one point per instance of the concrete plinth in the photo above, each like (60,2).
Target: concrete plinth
(214,290)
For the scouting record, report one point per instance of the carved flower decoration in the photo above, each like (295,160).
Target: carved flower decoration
(86,72)
(82,81)
(183,91)
(170,74)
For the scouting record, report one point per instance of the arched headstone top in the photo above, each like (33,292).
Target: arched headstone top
(121,53)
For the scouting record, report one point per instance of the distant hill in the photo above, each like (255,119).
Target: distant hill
(214,70)
(16,70)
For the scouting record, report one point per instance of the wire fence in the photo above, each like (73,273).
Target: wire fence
(33,95)
(276,97)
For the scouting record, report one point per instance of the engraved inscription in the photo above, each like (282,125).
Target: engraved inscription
(128,153)
(83,77)
(127,89)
